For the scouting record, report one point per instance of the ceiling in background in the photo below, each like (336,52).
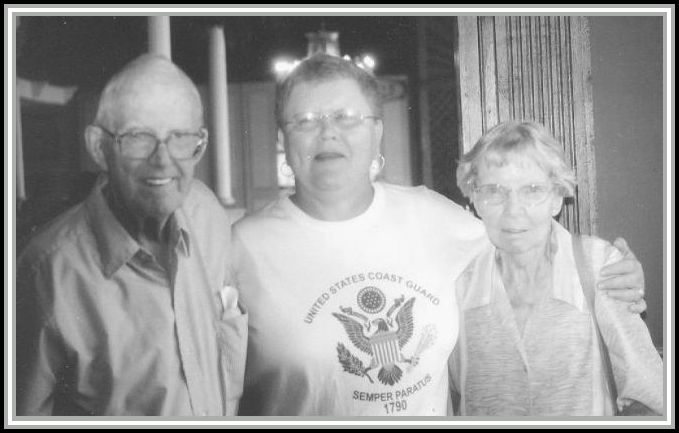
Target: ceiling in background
(86,50)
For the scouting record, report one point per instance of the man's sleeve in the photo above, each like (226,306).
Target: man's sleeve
(39,353)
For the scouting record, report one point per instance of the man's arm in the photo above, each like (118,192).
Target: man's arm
(624,280)
(37,351)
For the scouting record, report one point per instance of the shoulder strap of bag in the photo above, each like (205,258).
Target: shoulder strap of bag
(587,279)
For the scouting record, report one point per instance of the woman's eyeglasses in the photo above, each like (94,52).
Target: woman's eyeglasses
(311,121)
(494,194)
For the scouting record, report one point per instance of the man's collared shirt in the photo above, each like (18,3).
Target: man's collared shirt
(115,332)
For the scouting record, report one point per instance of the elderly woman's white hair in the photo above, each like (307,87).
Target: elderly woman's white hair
(514,138)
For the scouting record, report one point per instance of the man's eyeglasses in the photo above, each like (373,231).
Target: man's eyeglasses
(495,194)
(141,145)
(311,121)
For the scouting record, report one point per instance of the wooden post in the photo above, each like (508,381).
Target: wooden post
(159,36)
(219,116)
(533,68)
(424,114)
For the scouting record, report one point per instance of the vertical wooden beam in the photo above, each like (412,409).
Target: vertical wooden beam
(555,79)
(583,122)
(471,122)
(514,71)
(569,213)
(534,69)
(537,89)
(219,116)
(423,104)
(487,56)
(160,36)
(525,69)
(503,48)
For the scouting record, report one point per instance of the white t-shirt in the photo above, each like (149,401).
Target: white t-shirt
(356,317)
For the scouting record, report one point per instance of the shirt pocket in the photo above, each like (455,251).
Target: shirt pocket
(232,339)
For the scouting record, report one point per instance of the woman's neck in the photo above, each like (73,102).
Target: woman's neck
(338,205)
(527,280)
(526,272)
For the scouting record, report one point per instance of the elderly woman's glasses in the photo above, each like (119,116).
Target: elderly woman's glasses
(495,194)
(311,121)
(141,145)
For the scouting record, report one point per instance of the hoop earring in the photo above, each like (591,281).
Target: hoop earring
(286,170)
(376,166)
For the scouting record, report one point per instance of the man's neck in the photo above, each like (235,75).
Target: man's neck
(136,225)
(152,233)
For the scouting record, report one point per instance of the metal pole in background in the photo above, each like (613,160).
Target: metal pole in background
(219,116)
(159,36)
(19,156)
(20,186)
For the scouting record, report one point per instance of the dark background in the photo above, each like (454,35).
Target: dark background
(87,50)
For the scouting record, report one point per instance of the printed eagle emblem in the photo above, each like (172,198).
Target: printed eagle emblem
(384,345)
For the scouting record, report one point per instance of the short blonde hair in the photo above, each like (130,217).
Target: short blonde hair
(320,68)
(513,138)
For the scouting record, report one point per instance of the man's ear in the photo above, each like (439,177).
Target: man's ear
(94,141)
(203,148)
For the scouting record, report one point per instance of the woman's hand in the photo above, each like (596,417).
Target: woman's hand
(624,280)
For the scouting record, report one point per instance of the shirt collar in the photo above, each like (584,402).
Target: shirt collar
(566,284)
(115,245)
(180,229)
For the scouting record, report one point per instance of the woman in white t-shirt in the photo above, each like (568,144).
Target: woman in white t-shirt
(348,281)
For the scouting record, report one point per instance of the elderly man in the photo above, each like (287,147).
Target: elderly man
(123,303)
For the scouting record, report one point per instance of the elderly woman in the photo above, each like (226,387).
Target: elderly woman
(528,343)
(348,282)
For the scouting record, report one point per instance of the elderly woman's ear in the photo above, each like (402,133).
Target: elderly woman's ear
(557,205)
